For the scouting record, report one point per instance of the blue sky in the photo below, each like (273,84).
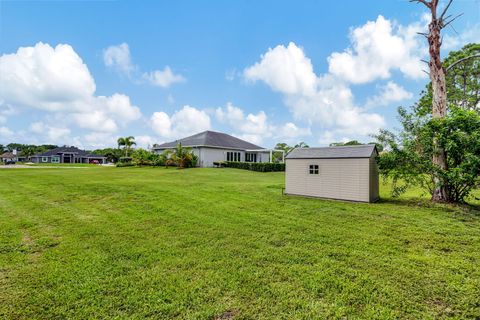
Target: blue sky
(87,72)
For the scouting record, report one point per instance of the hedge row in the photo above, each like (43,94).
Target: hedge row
(256,166)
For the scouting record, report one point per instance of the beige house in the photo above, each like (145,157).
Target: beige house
(344,173)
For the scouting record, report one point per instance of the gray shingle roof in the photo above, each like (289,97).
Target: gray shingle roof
(75,150)
(211,139)
(363,151)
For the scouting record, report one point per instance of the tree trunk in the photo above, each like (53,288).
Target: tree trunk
(439,101)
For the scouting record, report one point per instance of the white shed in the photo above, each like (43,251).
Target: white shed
(344,173)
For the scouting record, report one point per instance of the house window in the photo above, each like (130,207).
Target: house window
(55,159)
(233,156)
(44,159)
(314,169)
(250,157)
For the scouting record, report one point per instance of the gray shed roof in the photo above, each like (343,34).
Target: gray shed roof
(211,139)
(362,151)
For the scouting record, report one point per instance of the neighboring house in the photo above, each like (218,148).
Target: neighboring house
(7,156)
(66,155)
(345,173)
(210,147)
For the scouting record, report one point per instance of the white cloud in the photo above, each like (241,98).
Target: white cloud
(325,100)
(5,132)
(389,93)
(145,141)
(98,140)
(377,48)
(118,58)
(185,122)
(52,79)
(290,131)
(284,69)
(5,111)
(163,78)
(455,42)
(230,114)
(50,133)
(56,80)
(256,127)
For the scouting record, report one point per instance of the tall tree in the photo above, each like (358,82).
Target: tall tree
(439,90)
(127,143)
(462,81)
(28,152)
(301,145)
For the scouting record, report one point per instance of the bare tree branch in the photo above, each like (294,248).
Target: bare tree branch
(451,20)
(428,4)
(445,10)
(461,60)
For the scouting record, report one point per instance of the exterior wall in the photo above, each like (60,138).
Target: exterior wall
(374,180)
(207,156)
(263,156)
(39,159)
(210,155)
(345,179)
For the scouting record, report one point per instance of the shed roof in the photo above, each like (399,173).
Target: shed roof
(362,151)
(211,139)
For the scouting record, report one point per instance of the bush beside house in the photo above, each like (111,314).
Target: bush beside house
(255,166)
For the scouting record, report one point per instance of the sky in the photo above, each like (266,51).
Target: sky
(86,72)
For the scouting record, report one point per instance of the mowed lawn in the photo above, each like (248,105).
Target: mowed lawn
(116,243)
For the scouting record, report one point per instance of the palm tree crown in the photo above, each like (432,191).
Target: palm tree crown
(127,143)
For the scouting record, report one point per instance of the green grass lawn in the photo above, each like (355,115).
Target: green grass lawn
(140,243)
(63,165)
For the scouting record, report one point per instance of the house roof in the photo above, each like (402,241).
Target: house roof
(74,150)
(362,151)
(7,155)
(211,139)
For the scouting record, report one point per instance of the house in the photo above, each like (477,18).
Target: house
(66,155)
(344,173)
(8,156)
(211,146)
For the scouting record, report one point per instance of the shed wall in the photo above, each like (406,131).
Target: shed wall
(346,179)
(374,180)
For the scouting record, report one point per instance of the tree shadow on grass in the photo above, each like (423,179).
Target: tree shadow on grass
(460,211)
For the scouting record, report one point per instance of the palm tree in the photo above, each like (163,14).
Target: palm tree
(301,145)
(127,143)
(182,156)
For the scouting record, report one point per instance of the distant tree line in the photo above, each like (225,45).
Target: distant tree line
(26,150)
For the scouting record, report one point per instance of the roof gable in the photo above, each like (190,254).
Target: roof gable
(60,150)
(211,139)
(361,151)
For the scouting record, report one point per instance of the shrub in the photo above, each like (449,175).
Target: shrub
(124,164)
(256,166)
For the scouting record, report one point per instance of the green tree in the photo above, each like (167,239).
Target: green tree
(408,160)
(356,143)
(301,145)
(28,152)
(183,157)
(126,143)
(111,154)
(462,80)
(277,156)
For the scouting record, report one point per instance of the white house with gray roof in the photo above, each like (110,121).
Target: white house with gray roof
(211,146)
(344,173)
